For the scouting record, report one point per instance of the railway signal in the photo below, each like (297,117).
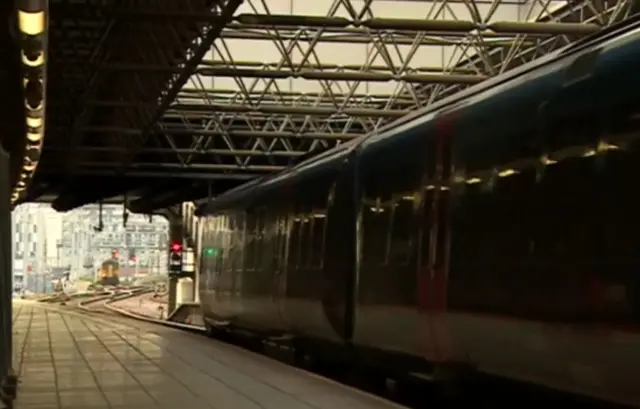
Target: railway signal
(210,252)
(175,258)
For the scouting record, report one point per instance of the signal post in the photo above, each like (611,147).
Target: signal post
(176,247)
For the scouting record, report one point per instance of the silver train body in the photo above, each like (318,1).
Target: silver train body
(498,228)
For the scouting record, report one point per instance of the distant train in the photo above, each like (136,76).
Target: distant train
(108,274)
(496,230)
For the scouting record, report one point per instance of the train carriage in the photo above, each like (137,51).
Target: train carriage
(496,229)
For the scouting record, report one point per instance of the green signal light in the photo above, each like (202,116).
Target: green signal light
(210,252)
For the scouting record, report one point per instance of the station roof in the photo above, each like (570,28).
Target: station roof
(12,123)
(171,100)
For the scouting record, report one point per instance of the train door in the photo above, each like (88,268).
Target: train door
(436,234)
(340,255)
(280,267)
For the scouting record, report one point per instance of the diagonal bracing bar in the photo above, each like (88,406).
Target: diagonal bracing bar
(226,11)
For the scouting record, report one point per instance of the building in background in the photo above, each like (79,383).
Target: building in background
(139,247)
(35,230)
(47,241)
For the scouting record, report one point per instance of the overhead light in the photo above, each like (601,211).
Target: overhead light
(14,197)
(34,94)
(32,153)
(473,181)
(34,137)
(31,22)
(39,60)
(21,184)
(24,176)
(29,167)
(20,188)
(34,122)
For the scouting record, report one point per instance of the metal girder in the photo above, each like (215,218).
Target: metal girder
(235,134)
(187,175)
(302,98)
(318,73)
(82,38)
(194,166)
(221,152)
(275,85)
(224,10)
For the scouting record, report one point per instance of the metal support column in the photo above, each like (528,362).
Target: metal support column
(192,239)
(7,376)
(197,253)
(176,234)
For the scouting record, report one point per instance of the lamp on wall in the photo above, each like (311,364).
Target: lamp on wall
(32,16)
(32,22)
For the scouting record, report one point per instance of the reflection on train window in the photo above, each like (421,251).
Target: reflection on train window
(402,228)
(280,243)
(250,242)
(294,243)
(376,221)
(305,241)
(258,254)
(317,239)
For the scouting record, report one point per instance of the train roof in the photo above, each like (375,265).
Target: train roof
(307,168)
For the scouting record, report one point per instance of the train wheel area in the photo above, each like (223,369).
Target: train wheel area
(440,387)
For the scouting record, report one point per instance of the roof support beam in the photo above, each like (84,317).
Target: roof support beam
(273,109)
(77,196)
(225,11)
(179,167)
(218,152)
(185,109)
(183,193)
(171,129)
(308,74)
(164,175)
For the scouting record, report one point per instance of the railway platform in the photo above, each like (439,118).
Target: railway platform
(67,359)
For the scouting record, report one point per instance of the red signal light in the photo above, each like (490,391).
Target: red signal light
(176,247)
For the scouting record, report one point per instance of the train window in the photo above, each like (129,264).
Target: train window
(318,219)
(258,255)
(376,223)
(402,213)
(280,243)
(305,241)
(249,258)
(217,240)
(294,242)
(574,131)
(239,244)
(581,67)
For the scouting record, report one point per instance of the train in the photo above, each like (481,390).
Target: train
(108,274)
(496,231)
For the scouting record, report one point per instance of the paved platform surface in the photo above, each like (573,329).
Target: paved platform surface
(72,360)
